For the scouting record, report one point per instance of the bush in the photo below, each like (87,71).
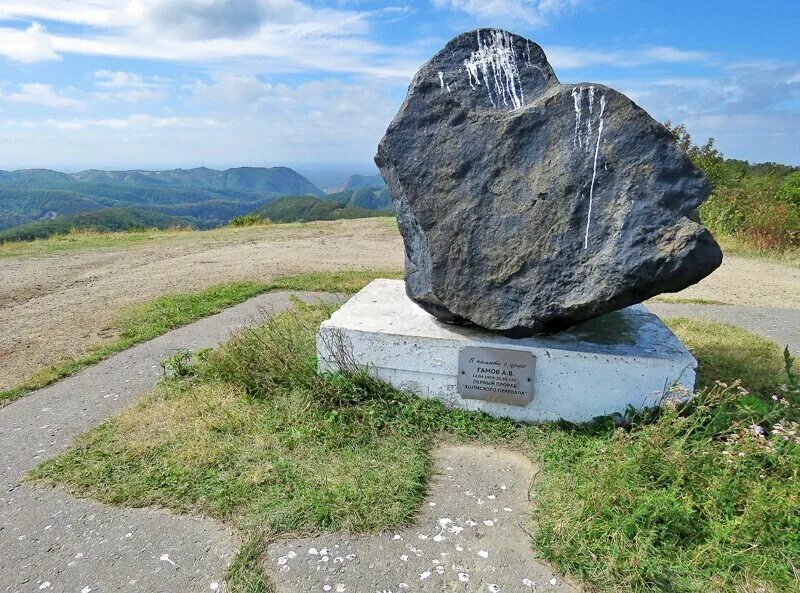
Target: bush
(759,203)
(247,220)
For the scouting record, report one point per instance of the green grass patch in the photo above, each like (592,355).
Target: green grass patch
(694,499)
(143,322)
(686,301)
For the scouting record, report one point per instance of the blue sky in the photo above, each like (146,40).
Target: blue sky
(168,83)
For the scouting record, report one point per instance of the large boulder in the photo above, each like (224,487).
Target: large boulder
(527,205)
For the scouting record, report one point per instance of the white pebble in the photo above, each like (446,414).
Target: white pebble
(483,553)
(45,585)
(463,577)
(489,523)
(313,552)
(493,588)
(86,590)
(528,583)
(424,575)
(554,581)
(213,586)
(340,588)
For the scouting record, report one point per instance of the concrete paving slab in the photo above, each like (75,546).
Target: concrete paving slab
(471,536)
(52,542)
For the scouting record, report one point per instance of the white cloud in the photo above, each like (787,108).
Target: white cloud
(531,12)
(139,122)
(128,86)
(317,121)
(41,94)
(232,90)
(33,44)
(283,35)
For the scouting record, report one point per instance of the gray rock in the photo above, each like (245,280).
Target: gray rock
(527,205)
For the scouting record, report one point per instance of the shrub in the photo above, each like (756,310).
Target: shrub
(247,220)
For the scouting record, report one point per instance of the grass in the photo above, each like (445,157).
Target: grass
(146,321)
(684,300)
(251,435)
(732,245)
(86,239)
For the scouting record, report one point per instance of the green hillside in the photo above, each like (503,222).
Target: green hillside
(372,198)
(107,219)
(355,182)
(211,196)
(307,208)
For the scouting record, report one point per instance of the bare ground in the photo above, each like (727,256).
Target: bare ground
(57,305)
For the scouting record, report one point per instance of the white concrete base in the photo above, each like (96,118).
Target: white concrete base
(597,368)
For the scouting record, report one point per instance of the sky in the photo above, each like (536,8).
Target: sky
(120,84)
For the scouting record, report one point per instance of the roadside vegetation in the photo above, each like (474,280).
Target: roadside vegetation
(699,497)
(754,208)
(144,322)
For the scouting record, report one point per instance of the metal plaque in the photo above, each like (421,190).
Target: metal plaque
(496,375)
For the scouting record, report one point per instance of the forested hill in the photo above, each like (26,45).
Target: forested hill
(202,196)
(107,219)
(355,182)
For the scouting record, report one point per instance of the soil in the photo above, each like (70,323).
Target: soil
(57,305)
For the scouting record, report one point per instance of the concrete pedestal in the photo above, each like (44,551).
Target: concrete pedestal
(597,368)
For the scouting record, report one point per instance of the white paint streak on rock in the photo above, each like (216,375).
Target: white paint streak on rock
(594,170)
(441,79)
(494,65)
(577,99)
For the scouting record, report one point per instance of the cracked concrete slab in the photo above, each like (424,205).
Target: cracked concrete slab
(471,536)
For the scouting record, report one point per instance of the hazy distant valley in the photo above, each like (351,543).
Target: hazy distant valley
(37,203)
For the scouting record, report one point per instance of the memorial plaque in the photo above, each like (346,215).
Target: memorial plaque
(496,375)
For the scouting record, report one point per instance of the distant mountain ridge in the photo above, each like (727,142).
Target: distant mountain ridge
(203,196)
(355,182)
(281,180)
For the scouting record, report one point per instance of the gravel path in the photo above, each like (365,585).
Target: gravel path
(50,541)
(780,325)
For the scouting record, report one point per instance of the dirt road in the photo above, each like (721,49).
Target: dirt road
(56,305)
